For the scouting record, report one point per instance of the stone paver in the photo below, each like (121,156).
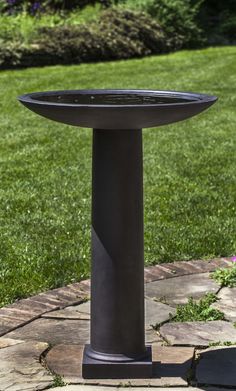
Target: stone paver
(80,311)
(198,333)
(171,366)
(152,336)
(20,368)
(157,313)
(84,307)
(227,303)
(65,360)
(177,290)
(53,331)
(65,314)
(217,366)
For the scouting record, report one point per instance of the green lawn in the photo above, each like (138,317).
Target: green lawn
(45,171)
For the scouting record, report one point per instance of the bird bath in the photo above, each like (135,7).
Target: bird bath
(117,338)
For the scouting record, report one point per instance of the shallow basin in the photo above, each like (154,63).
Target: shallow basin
(116,109)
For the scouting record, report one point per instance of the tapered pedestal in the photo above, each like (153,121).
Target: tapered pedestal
(117,346)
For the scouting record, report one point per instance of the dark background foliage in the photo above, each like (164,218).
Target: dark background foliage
(218,19)
(123,29)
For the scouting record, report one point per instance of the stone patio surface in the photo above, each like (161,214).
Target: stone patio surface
(42,338)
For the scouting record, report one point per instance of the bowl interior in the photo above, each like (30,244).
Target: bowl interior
(121,99)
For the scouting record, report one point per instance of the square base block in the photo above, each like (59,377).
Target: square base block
(96,369)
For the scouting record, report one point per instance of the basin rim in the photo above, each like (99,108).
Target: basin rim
(198,98)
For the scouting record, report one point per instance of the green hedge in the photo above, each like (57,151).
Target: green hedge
(119,34)
(179,21)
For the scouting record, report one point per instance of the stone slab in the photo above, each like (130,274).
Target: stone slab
(227,303)
(156,313)
(65,314)
(153,336)
(84,307)
(171,366)
(53,331)
(177,290)
(198,333)
(80,311)
(20,367)
(217,367)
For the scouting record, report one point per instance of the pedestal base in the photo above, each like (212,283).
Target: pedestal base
(97,369)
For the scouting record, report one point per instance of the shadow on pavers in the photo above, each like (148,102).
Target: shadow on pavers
(217,366)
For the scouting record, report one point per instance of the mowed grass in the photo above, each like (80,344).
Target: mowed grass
(45,171)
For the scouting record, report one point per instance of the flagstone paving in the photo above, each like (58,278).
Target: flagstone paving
(198,333)
(42,338)
(177,290)
(53,331)
(20,367)
(170,366)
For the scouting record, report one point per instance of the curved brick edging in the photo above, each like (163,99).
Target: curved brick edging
(24,311)
(182,268)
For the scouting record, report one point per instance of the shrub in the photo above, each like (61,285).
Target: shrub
(128,34)
(66,45)
(117,35)
(178,18)
(11,55)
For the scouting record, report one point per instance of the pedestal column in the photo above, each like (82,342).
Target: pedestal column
(117,279)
